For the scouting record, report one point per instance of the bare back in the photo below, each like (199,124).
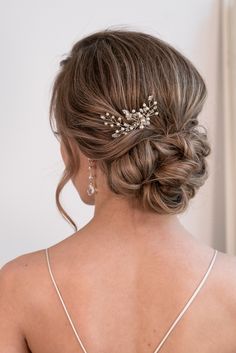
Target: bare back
(124,301)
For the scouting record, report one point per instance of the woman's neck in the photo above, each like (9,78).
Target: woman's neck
(128,222)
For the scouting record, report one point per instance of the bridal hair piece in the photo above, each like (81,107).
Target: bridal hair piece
(134,119)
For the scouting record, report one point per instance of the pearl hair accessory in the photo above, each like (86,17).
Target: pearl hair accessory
(139,119)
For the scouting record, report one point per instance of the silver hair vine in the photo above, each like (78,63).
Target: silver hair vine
(134,119)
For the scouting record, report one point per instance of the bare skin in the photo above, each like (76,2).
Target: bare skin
(124,277)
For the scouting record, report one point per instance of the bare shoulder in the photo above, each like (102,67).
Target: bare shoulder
(22,265)
(226,265)
(225,282)
(28,270)
(18,276)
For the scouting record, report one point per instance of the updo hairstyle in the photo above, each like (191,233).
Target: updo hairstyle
(163,165)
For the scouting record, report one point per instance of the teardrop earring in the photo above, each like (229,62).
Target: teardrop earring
(91,187)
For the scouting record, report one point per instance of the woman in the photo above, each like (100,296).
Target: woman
(133,280)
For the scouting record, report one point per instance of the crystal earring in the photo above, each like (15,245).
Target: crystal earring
(91,187)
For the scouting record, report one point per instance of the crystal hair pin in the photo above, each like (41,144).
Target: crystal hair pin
(134,119)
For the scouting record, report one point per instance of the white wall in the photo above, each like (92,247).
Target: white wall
(34,36)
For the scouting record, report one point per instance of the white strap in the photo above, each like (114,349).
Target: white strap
(188,304)
(63,304)
(172,326)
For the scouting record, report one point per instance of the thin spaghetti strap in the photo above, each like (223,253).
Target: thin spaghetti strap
(188,303)
(172,326)
(62,302)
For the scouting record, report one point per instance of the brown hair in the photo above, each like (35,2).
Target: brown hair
(162,165)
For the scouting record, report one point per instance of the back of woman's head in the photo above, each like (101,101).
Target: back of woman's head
(161,165)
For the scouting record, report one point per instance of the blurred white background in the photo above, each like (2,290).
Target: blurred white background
(34,37)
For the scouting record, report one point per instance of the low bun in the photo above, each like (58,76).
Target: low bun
(162,173)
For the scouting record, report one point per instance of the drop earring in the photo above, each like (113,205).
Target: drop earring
(91,187)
